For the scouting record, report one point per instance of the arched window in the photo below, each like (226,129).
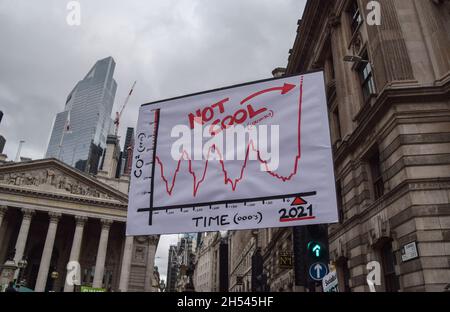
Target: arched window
(355,15)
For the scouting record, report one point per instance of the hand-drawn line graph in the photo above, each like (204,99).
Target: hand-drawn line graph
(249,191)
(196,184)
(197,181)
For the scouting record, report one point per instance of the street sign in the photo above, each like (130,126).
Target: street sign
(409,252)
(286,260)
(330,282)
(92,289)
(318,270)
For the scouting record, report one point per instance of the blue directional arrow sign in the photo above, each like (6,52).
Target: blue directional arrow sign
(318,270)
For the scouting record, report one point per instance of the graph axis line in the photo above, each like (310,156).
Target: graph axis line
(152,182)
(227,202)
(155,159)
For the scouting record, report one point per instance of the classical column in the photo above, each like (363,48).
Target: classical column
(126,264)
(3,210)
(47,252)
(152,244)
(76,246)
(101,254)
(23,235)
(347,88)
(2,213)
(390,57)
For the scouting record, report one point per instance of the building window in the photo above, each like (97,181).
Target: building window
(339,202)
(389,261)
(88,277)
(336,124)
(366,78)
(356,17)
(376,175)
(330,74)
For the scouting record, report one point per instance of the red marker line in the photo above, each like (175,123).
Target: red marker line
(227,180)
(297,219)
(284,89)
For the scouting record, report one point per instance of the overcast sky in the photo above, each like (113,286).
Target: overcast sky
(171,47)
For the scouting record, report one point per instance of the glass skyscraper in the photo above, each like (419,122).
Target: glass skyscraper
(80,131)
(128,150)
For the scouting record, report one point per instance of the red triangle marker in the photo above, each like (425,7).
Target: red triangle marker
(298,201)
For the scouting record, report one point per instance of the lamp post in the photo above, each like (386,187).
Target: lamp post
(7,271)
(54,276)
(21,264)
(355,59)
(223,262)
(259,279)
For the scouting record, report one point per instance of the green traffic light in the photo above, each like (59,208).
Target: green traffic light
(315,249)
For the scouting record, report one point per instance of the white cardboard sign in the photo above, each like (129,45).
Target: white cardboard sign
(289,181)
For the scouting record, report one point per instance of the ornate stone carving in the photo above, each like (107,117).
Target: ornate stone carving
(27,213)
(141,239)
(80,220)
(139,254)
(334,21)
(54,217)
(153,239)
(51,178)
(380,228)
(357,44)
(106,223)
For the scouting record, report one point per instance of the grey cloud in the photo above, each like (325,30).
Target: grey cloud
(162,253)
(171,47)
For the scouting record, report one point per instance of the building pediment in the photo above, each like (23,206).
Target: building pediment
(51,176)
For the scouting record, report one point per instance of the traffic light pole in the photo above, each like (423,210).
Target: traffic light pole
(299,288)
(310,256)
(298,239)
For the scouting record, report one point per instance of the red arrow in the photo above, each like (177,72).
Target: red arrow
(284,89)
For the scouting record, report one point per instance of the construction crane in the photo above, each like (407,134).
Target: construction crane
(119,114)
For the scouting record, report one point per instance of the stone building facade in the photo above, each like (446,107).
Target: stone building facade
(276,249)
(204,260)
(185,263)
(208,263)
(51,213)
(172,269)
(242,246)
(389,110)
(275,245)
